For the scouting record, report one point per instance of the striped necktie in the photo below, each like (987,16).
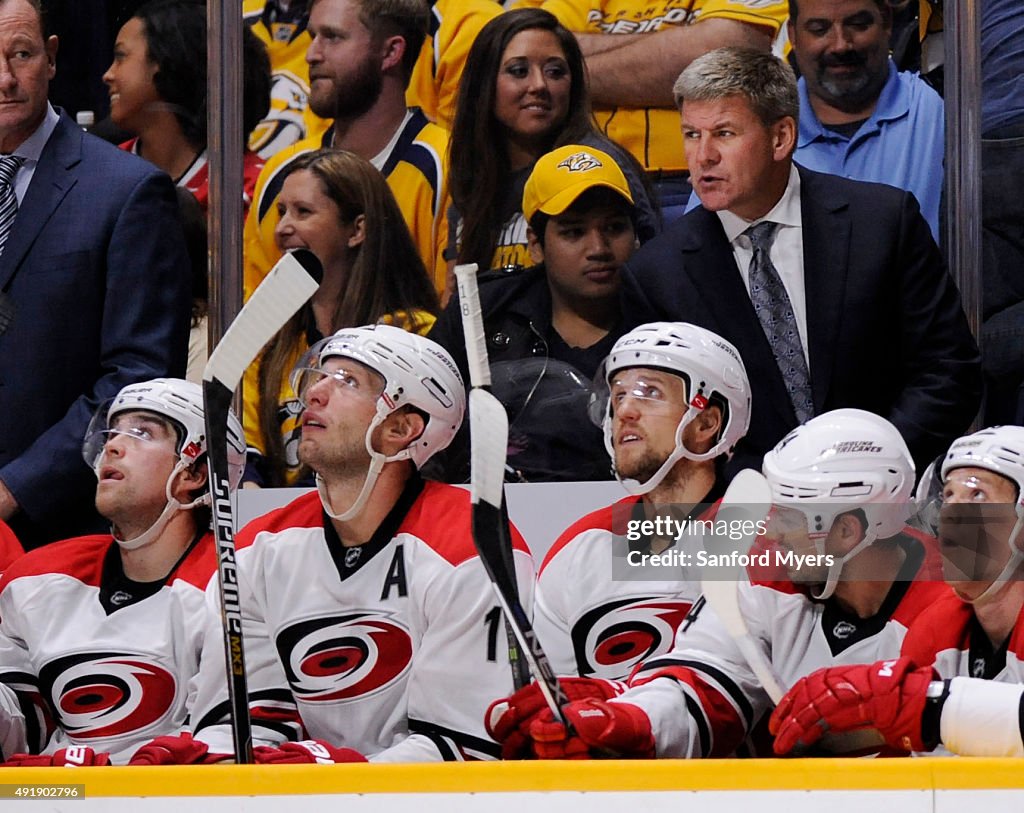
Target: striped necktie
(774,311)
(9,165)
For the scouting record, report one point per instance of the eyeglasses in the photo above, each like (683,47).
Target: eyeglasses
(363,384)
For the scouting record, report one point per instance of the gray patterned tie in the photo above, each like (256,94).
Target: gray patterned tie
(774,311)
(8,200)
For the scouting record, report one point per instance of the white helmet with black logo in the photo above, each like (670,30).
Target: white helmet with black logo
(417,372)
(838,462)
(713,373)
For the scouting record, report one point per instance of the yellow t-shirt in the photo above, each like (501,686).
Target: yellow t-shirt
(415,173)
(652,133)
(434,84)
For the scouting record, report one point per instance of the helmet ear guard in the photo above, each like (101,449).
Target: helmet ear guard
(838,462)
(712,372)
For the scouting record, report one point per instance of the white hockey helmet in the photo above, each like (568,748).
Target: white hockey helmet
(999,449)
(713,373)
(838,462)
(417,372)
(181,403)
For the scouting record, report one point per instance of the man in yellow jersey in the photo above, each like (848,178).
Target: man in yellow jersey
(360,58)
(634,52)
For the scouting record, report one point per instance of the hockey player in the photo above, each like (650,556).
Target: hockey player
(958,684)
(846,478)
(675,398)
(100,635)
(370,623)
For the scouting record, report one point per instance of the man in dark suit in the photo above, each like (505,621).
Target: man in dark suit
(840,300)
(94,286)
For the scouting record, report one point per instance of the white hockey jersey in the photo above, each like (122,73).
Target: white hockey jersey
(704,700)
(394,648)
(595,615)
(93,658)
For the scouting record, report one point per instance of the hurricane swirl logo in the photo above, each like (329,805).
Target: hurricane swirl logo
(107,694)
(612,638)
(340,657)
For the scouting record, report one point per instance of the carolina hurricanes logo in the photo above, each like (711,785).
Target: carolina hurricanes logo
(580,162)
(106,694)
(613,638)
(343,656)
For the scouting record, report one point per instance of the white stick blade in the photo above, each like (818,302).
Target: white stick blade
(282,292)
(488,434)
(473,325)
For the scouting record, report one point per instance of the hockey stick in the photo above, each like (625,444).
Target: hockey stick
(288,286)
(750,494)
(488,432)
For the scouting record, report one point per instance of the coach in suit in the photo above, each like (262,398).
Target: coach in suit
(94,286)
(833,291)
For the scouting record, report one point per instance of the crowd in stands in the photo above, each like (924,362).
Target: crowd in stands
(708,240)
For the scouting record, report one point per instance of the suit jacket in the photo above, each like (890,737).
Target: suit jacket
(96,269)
(886,329)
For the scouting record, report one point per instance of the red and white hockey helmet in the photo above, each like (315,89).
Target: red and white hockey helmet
(417,372)
(840,461)
(181,403)
(713,373)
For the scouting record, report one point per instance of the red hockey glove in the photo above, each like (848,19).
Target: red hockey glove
(180,750)
(888,696)
(316,751)
(508,720)
(71,757)
(601,729)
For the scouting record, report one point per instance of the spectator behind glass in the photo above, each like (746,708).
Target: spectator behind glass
(193,221)
(94,283)
(549,327)
(339,207)
(524,92)
(157,85)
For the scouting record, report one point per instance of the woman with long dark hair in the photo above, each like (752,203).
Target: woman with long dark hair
(523,93)
(340,207)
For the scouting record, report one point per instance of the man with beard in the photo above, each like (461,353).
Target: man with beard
(361,55)
(860,117)
(674,400)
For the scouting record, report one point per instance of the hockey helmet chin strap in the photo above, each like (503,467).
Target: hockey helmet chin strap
(170,509)
(836,568)
(377,463)
(1016,557)
(637,488)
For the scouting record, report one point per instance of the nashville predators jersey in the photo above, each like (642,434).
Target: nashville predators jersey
(652,133)
(414,169)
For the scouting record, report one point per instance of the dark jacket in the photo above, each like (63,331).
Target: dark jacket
(550,435)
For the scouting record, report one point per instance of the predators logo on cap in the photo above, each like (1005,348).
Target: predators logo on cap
(580,162)
(561,176)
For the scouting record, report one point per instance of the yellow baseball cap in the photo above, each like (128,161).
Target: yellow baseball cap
(562,175)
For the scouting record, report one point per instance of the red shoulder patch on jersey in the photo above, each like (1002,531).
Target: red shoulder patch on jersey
(931,568)
(80,557)
(599,520)
(305,511)
(442,517)
(939,626)
(200,564)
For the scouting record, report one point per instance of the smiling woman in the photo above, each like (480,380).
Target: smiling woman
(523,93)
(340,207)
